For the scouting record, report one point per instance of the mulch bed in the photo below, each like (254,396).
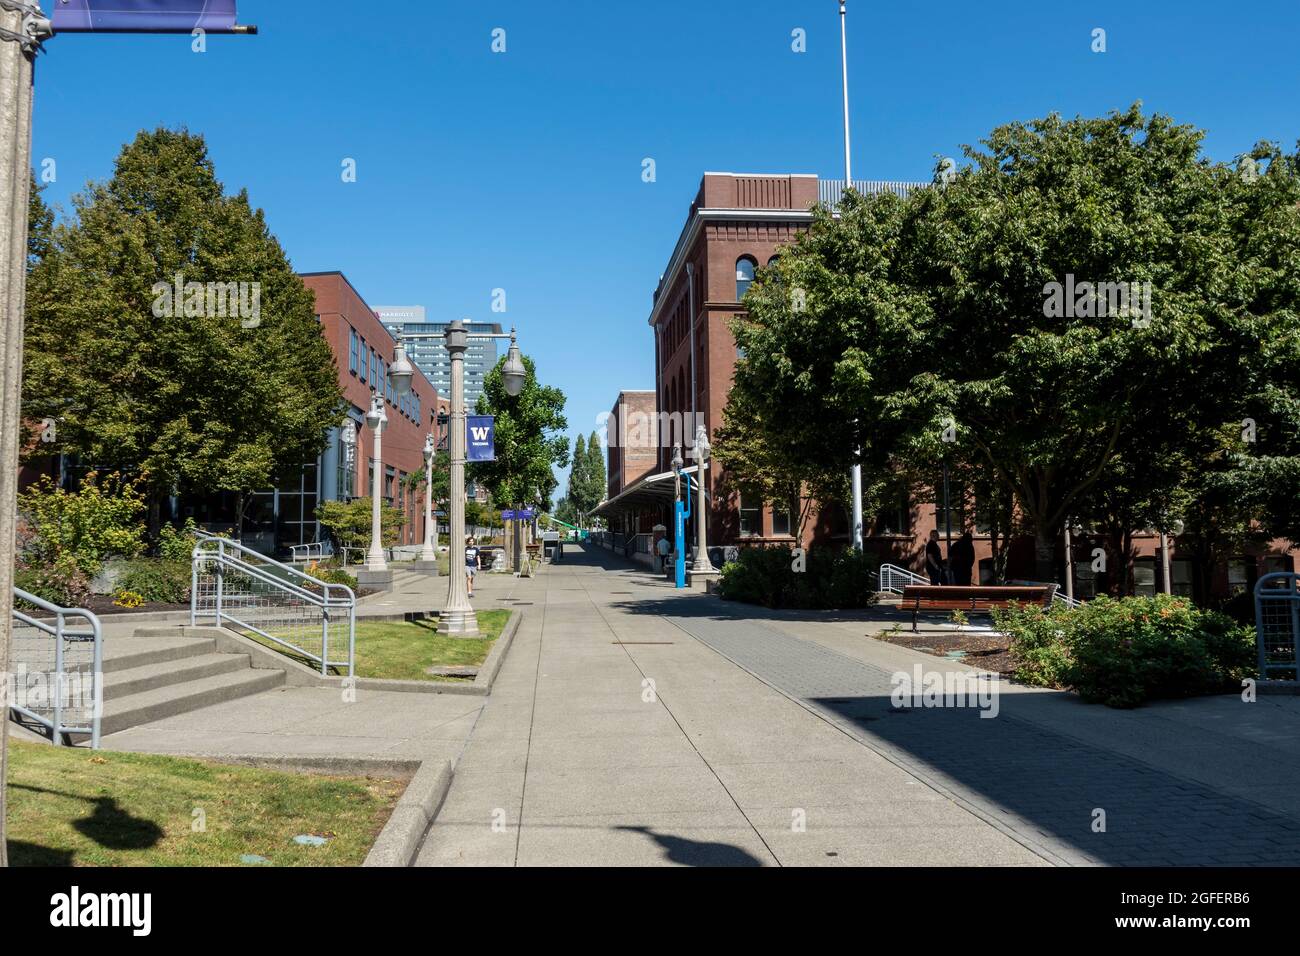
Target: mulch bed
(987,651)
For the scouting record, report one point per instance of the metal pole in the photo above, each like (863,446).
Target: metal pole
(21,28)
(1166,585)
(1069,563)
(458,616)
(375,556)
(855,473)
(429,553)
(947,524)
(844,69)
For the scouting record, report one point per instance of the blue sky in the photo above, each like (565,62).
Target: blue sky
(522,170)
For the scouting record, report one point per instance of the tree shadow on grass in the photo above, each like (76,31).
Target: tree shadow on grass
(108,825)
(696,852)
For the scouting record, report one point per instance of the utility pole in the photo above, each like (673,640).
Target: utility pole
(855,474)
(22,28)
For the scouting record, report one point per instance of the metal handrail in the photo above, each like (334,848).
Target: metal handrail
(228,554)
(892,578)
(61,633)
(1277,624)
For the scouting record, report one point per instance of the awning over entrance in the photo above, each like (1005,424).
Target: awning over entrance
(652,491)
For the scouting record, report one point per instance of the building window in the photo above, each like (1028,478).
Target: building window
(1180,571)
(1239,574)
(895,517)
(352,351)
(1144,577)
(781,521)
(751,516)
(744,275)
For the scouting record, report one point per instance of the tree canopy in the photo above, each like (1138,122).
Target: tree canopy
(175,387)
(982,322)
(529,439)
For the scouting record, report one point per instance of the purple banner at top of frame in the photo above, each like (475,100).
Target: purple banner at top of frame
(142,16)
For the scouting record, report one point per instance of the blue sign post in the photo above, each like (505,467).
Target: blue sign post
(146,16)
(680,513)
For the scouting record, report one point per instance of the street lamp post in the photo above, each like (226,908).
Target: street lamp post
(428,562)
(377,418)
(457,617)
(348,436)
(702,564)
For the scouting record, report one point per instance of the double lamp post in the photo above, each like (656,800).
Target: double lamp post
(457,617)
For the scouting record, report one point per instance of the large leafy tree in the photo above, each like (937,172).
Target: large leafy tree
(944,345)
(529,439)
(196,401)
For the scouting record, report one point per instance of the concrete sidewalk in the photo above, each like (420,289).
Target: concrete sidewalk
(769,737)
(612,737)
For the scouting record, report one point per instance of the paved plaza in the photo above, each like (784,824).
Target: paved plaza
(632,724)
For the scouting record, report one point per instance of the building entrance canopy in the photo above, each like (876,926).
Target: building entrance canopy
(644,494)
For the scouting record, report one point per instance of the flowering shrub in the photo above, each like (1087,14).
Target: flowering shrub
(81,528)
(1124,652)
(127,599)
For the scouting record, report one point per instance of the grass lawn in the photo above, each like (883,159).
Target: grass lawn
(401,650)
(68,806)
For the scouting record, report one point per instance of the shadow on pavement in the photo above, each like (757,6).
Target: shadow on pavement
(696,852)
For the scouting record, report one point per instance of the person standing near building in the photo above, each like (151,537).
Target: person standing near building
(664,549)
(961,561)
(471,562)
(934,558)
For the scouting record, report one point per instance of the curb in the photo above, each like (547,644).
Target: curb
(487,674)
(399,840)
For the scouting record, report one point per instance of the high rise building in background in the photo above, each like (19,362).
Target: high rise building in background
(430,355)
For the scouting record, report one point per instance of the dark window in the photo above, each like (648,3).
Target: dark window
(751,516)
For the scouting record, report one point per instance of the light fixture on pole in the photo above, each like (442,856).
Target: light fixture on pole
(377,418)
(401,372)
(430,550)
(513,372)
(702,564)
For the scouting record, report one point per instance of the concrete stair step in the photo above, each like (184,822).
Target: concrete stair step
(125,653)
(135,680)
(151,705)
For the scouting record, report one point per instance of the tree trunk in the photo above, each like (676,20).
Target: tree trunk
(1044,553)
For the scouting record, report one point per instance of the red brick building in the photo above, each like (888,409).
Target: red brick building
(363,350)
(736,224)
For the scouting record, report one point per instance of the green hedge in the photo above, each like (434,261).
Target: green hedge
(828,579)
(1127,651)
(157,580)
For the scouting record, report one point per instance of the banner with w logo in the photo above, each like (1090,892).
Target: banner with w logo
(142,16)
(480,438)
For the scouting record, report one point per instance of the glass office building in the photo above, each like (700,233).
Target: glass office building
(429,354)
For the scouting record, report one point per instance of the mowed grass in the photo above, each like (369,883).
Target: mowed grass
(404,650)
(72,807)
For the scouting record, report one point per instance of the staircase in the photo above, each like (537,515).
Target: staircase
(158,674)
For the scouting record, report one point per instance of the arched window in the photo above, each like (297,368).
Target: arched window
(744,275)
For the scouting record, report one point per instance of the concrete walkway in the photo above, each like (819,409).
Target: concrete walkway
(769,738)
(614,737)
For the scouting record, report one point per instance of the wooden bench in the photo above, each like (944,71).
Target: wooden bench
(979,599)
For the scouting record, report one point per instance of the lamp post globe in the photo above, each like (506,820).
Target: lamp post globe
(401,371)
(513,372)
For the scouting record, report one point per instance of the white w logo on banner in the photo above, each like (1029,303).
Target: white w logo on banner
(480,434)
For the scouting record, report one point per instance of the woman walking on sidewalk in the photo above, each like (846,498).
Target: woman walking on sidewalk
(471,562)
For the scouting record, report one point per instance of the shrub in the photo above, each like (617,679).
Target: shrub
(1123,652)
(128,599)
(331,575)
(828,579)
(158,580)
(84,527)
(62,582)
(177,544)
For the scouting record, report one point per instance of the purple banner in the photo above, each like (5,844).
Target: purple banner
(142,16)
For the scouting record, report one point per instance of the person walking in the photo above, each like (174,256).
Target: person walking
(961,561)
(663,548)
(471,562)
(934,558)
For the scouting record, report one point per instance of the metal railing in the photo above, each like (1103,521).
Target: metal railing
(831,191)
(311,552)
(57,674)
(1277,624)
(235,585)
(893,578)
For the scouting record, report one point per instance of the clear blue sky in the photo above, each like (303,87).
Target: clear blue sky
(522,170)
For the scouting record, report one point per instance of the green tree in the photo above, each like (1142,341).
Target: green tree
(349,522)
(40,225)
(185,393)
(597,473)
(529,440)
(578,479)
